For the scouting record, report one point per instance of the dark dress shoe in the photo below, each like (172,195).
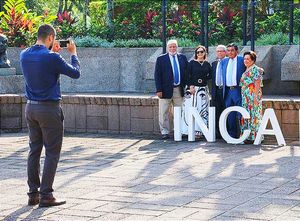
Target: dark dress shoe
(33,200)
(165,136)
(50,201)
(249,141)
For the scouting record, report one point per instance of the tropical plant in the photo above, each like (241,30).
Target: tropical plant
(20,24)
(65,24)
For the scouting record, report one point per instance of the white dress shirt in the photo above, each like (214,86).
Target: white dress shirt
(231,72)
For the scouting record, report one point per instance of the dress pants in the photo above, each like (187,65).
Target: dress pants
(233,98)
(45,124)
(164,105)
(218,103)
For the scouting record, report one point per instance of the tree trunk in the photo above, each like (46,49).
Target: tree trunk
(86,12)
(264,6)
(110,24)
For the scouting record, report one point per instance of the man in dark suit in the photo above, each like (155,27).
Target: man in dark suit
(169,76)
(232,69)
(217,85)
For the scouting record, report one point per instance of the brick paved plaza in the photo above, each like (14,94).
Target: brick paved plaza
(105,177)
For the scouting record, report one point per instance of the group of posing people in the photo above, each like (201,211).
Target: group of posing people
(236,81)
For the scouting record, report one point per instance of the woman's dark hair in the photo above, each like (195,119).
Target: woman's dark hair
(252,55)
(202,47)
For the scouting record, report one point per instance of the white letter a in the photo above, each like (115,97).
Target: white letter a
(270,114)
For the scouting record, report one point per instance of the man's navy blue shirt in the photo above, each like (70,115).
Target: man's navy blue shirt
(41,69)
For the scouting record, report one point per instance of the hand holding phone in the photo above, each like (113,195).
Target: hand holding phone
(56,47)
(64,43)
(71,47)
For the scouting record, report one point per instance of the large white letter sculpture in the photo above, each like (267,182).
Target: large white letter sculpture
(270,114)
(223,128)
(177,126)
(194,117)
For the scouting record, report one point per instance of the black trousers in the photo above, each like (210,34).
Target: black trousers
(45,124)
(219,104)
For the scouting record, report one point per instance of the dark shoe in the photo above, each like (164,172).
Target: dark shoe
(50,201)
(34,199)
(248,141)
(165,136)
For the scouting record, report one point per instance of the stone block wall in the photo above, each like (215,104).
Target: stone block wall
(132,70)
(136,114)
(287,113)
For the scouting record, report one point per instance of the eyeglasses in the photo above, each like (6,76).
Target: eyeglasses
(221,51)
(198,52)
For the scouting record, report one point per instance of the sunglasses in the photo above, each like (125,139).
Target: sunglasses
(198,52)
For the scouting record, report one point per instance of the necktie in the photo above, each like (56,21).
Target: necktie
(219,74)
(176,72)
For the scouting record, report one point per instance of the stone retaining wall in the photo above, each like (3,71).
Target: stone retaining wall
(132,70)
(136,114)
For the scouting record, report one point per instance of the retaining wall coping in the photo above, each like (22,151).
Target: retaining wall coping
(129,99)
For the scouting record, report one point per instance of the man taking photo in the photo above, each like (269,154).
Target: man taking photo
(42,68)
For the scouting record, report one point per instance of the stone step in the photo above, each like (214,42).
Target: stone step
(11,84)
(7,71)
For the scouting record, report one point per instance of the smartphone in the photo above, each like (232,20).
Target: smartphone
(63,43)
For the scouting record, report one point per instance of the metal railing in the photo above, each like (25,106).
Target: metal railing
(205,25)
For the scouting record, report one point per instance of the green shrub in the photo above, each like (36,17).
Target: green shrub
(278,22)
(275,39)
(98,16)
(134,43)
(184,42)
(89,41)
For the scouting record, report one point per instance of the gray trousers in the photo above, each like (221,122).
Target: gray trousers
(164,106)
(45,124)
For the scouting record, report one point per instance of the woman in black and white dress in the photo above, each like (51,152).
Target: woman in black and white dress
(199,71)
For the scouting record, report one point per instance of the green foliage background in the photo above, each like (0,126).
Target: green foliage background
(139,22)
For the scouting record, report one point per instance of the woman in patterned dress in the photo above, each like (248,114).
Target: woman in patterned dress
(251,90)
(199,72)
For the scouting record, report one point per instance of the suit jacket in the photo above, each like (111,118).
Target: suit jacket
(164,78)
(213,83)
(239,72)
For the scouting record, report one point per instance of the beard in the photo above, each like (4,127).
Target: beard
(51,45)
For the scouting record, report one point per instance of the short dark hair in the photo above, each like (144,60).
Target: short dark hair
(233,45)
(45,30)
(204,49)
(252,55)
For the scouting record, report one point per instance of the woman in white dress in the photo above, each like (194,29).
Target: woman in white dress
(199,71)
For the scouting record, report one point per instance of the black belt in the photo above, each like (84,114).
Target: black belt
(176,85)
(42,102)
(220,87)
(231,87)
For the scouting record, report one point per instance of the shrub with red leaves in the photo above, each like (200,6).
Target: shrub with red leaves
(65,23)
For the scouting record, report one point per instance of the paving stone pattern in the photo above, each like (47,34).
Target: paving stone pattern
(123,177)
